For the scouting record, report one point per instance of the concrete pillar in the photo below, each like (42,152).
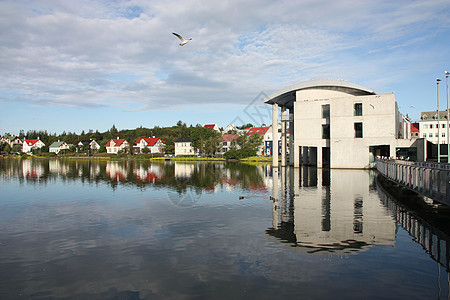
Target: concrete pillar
(283,135)
(275,135)
(291,137)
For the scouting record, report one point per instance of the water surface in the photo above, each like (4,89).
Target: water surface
(137,230)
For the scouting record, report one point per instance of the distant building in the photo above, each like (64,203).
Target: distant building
(429,129)
(116,145)
(212,127)
(11,140)
(29,145)
(227,142)
(415,131)
(183,146)
(89,144)
(153,144)
(58,146)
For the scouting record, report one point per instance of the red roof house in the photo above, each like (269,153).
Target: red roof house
(154,144)
(115,145)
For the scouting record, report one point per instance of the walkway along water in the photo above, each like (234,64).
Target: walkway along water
(426,178)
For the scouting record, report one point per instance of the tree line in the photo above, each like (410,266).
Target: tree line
(203,139)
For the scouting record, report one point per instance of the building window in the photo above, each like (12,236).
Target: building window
(443,125)
(443,134)
(437,135)
(357,109)
(430,135)
(424,135)
(358,130)
(431,126)
(326,111)
(325,131)
(425,126)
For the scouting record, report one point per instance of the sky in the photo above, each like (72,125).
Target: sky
(86,65)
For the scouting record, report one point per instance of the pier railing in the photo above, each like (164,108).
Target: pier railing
(427,178)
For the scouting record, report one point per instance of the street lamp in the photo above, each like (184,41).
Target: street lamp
(448,117)
(439,146)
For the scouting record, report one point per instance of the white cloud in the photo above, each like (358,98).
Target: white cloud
(98,54)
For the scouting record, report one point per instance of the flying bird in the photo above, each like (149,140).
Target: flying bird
(183,41)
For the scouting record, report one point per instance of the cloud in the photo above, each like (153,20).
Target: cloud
(100,54)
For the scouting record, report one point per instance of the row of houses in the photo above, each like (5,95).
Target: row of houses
(114,146)
(183,146)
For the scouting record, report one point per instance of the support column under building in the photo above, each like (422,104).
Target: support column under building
(275,135)
(283,136)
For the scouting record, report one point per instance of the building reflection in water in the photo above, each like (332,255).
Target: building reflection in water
(148,173)
(116,171)
(429,230)
(32,170)
(325,211)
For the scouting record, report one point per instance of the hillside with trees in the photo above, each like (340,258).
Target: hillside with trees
(203,139)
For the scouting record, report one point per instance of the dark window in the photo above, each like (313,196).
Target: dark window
(358,109)
(358,130)
(325,131)
(326,111)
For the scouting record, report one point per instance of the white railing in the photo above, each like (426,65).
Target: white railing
(426,178)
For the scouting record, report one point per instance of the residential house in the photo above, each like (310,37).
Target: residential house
(415,132)
(212,127)
(89,144)
(183,146)
(231,129)
(116,145)
(153,144)
(266,132)
(58,146)
(433,129)
(11,140)
(29,145)
(227,142)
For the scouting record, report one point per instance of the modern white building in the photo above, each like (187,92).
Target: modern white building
(338,124)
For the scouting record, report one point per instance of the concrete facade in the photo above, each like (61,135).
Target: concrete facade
(338,124)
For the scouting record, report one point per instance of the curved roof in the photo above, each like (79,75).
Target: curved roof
(286,96)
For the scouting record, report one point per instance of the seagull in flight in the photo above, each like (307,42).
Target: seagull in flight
(183,41)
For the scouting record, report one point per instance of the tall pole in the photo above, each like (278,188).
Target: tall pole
(275,136)
(448,117)
(438,145)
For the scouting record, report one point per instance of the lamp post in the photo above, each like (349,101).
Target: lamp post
(438,145)
(448,117)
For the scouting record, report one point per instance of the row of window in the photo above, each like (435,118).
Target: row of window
(431,135)
(357,110)
(425,126)
(357,126)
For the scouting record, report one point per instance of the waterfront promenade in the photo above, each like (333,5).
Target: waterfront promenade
(429,179)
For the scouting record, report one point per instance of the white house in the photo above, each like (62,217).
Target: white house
(11,140)
(227,142)
(339,124)
(212,127)
(154,144)
(266,133)
(56,147)
(433,129)
(91,144)
(116,145)
(183,146)
(30,145)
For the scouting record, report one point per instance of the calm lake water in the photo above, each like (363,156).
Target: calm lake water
(141,230)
